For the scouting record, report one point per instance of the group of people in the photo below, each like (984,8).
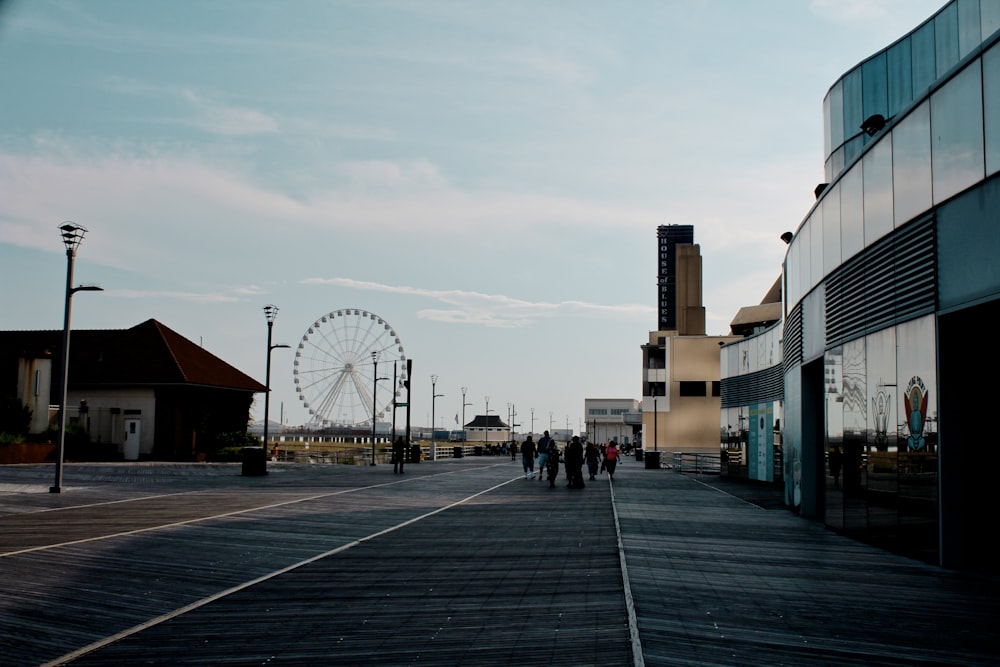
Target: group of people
(573,458)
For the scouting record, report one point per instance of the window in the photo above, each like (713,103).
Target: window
(692,388)
(716,388)
(957,153)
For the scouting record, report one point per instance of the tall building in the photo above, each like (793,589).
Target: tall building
(680,384)
(887,284)
(669,237)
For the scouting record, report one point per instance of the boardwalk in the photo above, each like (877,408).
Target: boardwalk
(457,562)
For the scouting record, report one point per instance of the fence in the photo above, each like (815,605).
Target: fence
(697,463)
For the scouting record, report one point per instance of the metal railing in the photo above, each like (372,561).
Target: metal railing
(698,463)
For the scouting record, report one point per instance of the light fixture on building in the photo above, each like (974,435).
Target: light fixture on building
(787,237)
(873,124)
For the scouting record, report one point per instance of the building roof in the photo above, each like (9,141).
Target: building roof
(766,313)
(148,354)
(486,421)
(750,317)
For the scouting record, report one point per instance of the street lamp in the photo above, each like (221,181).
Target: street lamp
(656,421)
(270,312)
(434,397)
(375,379)
(464,403)
(487,425)
(72,235)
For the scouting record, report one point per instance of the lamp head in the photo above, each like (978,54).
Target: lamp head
(72,235)
(787,237)
(270,312)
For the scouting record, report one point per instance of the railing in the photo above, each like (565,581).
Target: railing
(697,463)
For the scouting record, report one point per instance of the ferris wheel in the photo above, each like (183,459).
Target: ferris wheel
(340,361)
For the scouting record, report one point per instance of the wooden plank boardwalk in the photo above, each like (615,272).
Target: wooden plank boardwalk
(457,562)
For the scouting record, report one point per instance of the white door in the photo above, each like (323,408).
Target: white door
(132,433)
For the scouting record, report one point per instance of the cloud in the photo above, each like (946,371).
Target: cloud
(494,310)
(190,297)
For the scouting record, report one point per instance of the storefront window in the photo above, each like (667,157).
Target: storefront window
(917,437)
(833,369)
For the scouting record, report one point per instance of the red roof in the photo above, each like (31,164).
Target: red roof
(148,354)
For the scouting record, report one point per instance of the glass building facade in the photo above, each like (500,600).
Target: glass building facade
(888,284)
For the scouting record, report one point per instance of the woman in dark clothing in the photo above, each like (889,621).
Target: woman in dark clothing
(593,456)
(574,463)
(552,463)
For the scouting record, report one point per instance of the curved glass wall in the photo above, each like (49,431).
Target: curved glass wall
(887,82)
(940,147)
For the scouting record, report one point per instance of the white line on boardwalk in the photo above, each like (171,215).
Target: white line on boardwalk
(188,522)
(90,648)
(633,621)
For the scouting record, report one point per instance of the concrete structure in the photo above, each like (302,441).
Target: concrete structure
(680,384)
(887,392)
(607,419)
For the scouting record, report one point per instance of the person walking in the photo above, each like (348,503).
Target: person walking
(552,463)
(611,459)
(528,458)
(593,457)
(574,463)
(543,452)
(398,455)
(513,450)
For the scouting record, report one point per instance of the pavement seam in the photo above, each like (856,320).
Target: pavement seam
(633,621)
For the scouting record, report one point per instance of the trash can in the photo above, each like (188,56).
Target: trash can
(652,460)
(254,461)
(638,454)
(457,452)
(414,453)
(477,450)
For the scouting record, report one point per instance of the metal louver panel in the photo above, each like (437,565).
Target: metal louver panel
(891,281)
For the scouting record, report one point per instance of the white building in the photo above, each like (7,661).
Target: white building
(607,419)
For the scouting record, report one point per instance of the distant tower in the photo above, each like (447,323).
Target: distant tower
(669,236)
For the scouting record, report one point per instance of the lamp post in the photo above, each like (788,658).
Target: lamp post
(270,312)
(464,403)
(374,403)
(434,397)
(72,235)
(486,426)
(375,381)
(656,422)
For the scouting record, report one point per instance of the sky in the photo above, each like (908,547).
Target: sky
(485,177)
